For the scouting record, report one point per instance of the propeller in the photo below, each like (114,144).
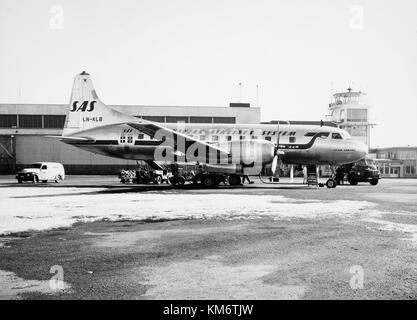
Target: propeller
(274,164)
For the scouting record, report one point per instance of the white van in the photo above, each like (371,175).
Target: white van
(42,171)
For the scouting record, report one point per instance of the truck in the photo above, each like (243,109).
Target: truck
(363,171)
(208,176)
(144,176)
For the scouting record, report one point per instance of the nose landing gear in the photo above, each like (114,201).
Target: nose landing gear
(331,183)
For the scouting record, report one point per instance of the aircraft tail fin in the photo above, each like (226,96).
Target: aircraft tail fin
(86,110)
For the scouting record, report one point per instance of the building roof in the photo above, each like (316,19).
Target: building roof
(349,93)
(392,148)
(296,122)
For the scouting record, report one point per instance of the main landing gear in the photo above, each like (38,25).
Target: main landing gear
(234,180)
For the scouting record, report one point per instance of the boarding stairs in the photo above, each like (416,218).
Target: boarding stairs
(312,177)
(156,165)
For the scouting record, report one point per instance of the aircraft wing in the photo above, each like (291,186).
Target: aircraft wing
(172,137)
(71,139)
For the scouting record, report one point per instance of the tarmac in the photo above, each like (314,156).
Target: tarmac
(91,237)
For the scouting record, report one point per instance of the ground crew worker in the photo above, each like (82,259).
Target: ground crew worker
(339,175)
(246,177)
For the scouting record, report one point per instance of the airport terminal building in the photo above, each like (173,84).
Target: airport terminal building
(23,128)
(396,162)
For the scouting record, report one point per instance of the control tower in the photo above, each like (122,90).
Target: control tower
(350,113)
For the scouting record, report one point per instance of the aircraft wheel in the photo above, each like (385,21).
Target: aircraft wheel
(158,180)
(234,180)
(353,181)
(374,182)
(331,183)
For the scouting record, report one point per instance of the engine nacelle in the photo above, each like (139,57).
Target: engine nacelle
(249,152)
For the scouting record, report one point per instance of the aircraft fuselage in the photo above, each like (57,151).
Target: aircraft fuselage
(300,144)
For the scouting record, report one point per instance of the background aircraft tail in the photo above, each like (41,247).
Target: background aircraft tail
(86,110)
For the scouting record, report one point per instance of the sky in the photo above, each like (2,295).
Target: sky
(195,52)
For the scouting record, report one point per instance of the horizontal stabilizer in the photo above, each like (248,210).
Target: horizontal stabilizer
(69,139)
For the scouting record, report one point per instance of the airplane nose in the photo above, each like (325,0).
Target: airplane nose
(361,149)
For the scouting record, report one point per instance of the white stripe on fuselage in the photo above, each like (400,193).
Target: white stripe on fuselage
(250,131)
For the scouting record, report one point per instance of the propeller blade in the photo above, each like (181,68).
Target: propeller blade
(274,164)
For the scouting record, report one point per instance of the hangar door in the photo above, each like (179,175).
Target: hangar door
(7,154)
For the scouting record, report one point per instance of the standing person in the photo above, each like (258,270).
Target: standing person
(246,177)
(304,174)
(339,175)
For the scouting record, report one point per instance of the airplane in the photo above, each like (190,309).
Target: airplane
(233,149)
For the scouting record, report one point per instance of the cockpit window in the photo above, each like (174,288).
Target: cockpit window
(320,134)
(336,135)
(324,134)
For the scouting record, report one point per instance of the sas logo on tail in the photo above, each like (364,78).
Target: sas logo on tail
(83,107)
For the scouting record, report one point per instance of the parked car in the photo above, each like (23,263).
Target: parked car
(42,171)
